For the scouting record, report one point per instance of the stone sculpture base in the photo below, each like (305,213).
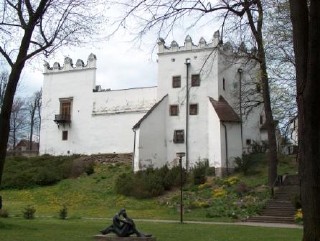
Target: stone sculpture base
(101,237)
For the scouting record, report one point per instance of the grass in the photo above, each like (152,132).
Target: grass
(91,202)
(94,195)
(50,229)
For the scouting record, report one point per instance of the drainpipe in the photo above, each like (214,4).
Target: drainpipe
(226,141)
(187,63)
(134,147)
(240,71)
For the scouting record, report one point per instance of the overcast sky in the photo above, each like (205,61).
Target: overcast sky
(121,63)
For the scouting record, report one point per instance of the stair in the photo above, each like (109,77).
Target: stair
(280,209)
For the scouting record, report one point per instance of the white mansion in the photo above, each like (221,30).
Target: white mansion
(196,108)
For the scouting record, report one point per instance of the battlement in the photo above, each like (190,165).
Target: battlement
(188,44)
(68,65)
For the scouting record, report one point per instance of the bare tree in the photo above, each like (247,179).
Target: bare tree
(34,106)
(30,27)
(306,38)
(18,121)
(281,64)
(247,18)
(3,86)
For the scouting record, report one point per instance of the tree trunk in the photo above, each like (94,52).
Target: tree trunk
(256,28)
(6,112)
(306,36)
(33,110)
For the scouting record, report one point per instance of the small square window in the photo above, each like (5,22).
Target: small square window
(65,135)
(174,110)
(193,109)
(178,136)
(176,81)
(261,119)
(195,80)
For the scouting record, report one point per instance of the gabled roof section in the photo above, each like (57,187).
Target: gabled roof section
(224,111)
(136,126)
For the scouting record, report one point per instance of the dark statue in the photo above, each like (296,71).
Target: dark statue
(123,226)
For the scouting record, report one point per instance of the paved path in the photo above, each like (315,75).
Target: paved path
(270,225)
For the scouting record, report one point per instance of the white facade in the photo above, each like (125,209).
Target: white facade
(214,132)
(204,80)
(101,120)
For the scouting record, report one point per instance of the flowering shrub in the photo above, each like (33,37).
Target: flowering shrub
(199,204)
(204,186)
(219,192)
(298,217)
(231,181)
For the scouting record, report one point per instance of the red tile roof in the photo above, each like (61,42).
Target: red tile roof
(224,111)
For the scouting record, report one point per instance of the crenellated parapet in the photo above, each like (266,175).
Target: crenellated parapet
(69,66)
(188,44)
(216,42)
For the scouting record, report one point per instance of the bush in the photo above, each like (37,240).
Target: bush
(242,189)
(4,213)
(28,212)
(148,183)
(63,212)
(243,164)
(199,172)
(41,170)
(124,184)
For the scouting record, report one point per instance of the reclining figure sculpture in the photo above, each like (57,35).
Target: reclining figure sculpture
(123,226)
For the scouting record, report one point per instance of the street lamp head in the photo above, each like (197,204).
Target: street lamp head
(181,154)
(240,71)
(188,61)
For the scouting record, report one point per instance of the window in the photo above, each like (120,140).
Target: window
(174,110)
(176,81)
(195,80)
(65,135)
(178,136)
(248,141)
(65,108)
(224,84)
(261,119)
(193,109)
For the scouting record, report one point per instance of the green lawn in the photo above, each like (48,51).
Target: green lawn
(50,229)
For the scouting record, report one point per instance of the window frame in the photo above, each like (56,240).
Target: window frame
(65,135)
(176,81)
(174,110)
(196,109)
(195,82)
(178,136)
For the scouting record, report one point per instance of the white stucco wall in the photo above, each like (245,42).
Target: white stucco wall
(101,122)
(150,148)
(214,133)
(234,143)
(74,84)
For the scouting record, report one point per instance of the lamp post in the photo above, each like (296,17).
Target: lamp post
(240,71)
(180,155)
(187,63)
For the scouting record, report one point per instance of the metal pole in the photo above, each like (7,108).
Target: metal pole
(240,71)
(187,63)
(181,199)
